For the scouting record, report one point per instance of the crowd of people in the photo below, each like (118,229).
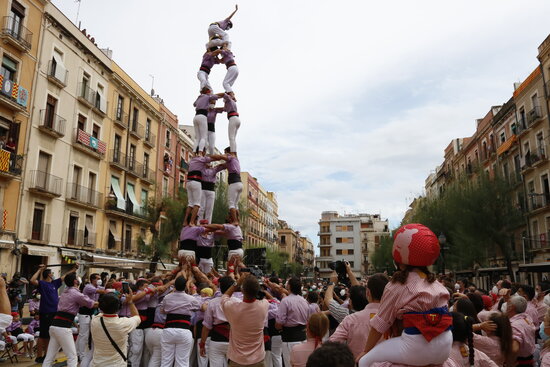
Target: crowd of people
(188,317)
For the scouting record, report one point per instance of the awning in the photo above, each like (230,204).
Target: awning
(6,244)
(535,267)
(493,270)
(89,223)
(506,145)
(59,67)
(119,262)
(120,202)
(132,197)
(39,250)
(76,254)
(112,229)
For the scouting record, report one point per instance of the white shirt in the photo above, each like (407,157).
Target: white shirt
(105,353)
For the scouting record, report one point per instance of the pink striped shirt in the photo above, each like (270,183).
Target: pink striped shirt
(523,331)
(459,357)
(490,345)
(416,295)
(534,313)
(541,309)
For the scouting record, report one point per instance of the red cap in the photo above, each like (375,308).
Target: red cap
(203,221)
(117,285)
(14,314)
(416,245)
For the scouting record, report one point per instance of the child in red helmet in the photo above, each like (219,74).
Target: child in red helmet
(416,298)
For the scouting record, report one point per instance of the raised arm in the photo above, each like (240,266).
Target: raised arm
(351,276)
(214,227)
(34,279)
(217,157)
(231,15)
(330,289)
(75,268)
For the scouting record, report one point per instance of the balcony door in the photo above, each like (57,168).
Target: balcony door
(43,170)
(77,174)
(37,232)
(49,114)
(17,13)
(73,228)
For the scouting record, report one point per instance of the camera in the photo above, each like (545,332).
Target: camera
(339,267)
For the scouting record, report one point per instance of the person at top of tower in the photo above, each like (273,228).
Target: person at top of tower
(219,29)
(417,298)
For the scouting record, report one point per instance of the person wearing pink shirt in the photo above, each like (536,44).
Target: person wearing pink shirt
(496,343)
(523,330)
(528,292)
(354,329)
(462,352)
(412,293)
(217,32)
(317,327)
(246,341)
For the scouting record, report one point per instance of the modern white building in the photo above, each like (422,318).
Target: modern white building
(349,237)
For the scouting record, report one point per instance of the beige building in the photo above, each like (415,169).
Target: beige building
(289,240)
(350,237)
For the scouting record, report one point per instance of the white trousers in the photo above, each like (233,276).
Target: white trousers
(234,195)
(203,361)
(232,127)
(136,347)
(176,347)
(207,205)
(88,356)
(405,350)
(230,76)
(211,142)
(2,345)
(152,342)
(194,193)
(287,348)
(217,354)
(25,337)
(203,79)
(275,357)
(201,129)
(213,30)
(61,338)
(205,265)
(83,335)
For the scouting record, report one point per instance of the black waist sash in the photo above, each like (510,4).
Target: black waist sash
(271,329)
(63,319)
(293,333)
(205,68)
(143,315)
(230,64)
(189,245)
(177,321)
(208,186)
(220,332)
(86,311)
(212,127)
(194,176)
(202,112)
(234,245)
(203,252)
(232,114)
(234,178)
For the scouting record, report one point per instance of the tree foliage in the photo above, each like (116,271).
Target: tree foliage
(382,259)
(477,216)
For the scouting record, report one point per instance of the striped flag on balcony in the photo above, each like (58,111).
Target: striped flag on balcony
(94,143)
(4,160)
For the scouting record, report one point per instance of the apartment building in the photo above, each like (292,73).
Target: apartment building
(307,254)
(288,240)
(349,237)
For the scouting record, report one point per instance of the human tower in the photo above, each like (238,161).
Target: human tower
(197,235)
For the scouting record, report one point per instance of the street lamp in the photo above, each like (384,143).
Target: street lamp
(442,241)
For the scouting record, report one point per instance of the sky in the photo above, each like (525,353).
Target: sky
(345,105)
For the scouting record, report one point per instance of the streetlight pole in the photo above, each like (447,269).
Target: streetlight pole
(442,240)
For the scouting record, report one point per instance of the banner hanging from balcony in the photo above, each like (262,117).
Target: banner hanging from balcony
(89,141)
(14,91)
(4,160)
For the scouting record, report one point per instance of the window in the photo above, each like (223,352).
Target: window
(43,169)
(535,242)
(132,157)
(144,198)
(119,108)
(73,228)
(84,92)
(49,113)
(91,185)
(9,68)
(338,252)
(522,117)
(82,122)
(77,174)
(168,137)
(135,119)
(350,251)
(100,102)
(182,181)
(535,100)
(352,264)
(325,252)
(96,129)
(513,128)
(88,231)
(164,186)
(38,227)
(502,137)
(283,240)
(145,163)
(148,129)
(15,20)
(128,238)
(111,242)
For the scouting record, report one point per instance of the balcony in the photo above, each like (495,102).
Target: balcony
(100,105)
(89,144)
(534,116)
(537,201)
(83,196)
(13,96)
(11,165)
(530,162)
(57,74)
(323,232)
(183,165)
(147,175)
(15,34)
(117,159)
(39,232)
(133,167)
(120,118)
(52,124)
(86,95)
(45,184)
(80,238)
(136,130)
(137,215)
(149,139)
